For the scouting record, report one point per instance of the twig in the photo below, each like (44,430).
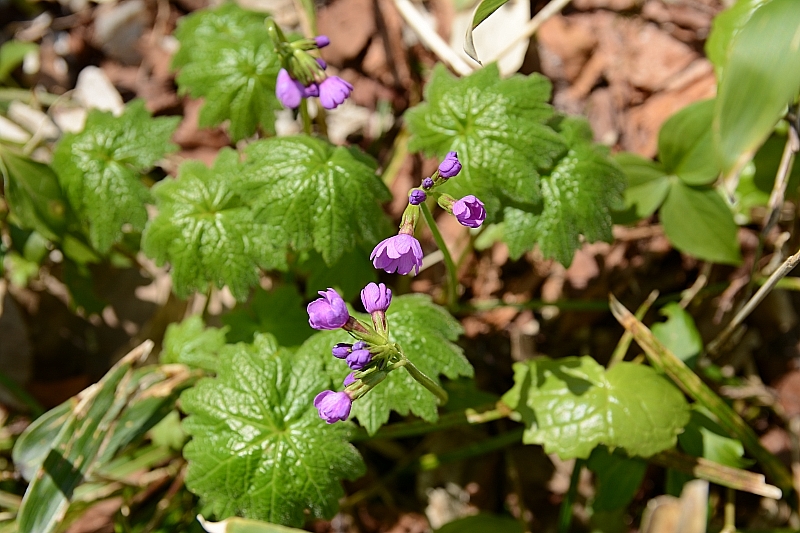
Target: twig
(431,39)
(787,266)
(625,341)
(532,26)
(688,295)
(781,179)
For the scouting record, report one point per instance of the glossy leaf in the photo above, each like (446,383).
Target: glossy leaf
(33,194)
(724,28)
(351,273)
(425,332)
(697,221)
(227,57)
(571,405)
(761,77)
(259,448)
(648,185)
(704,438)
(679,333)
(35,443)
(100,169)
(280,312)
(322,197)
(499,129)
(209,231)
(685,144)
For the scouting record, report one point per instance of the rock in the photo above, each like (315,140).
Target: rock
(95,91)
(33,120)
(350,24)
(10,131)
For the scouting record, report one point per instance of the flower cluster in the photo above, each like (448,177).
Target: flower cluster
(402,253)
(370,358)
(303,75)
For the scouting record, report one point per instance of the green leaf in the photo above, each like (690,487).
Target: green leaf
(82,438)
(209,231)
(685,142)
(33,194)
(100,169)
(617,479)
(12,53)
(761,78)
(499,129)
(259,448)
(705,438)
(482,523)
(482,12)
(679,334)
(571,405)
(425,332)
(227,57)
(648,185)
(280,312)
(191,343)
(698,221)
(723,29)
(578,196)
(35,443)
(242,525)
(323,197)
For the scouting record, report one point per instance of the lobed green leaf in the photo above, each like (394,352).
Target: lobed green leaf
(227,57)
(100,169)
(259,449)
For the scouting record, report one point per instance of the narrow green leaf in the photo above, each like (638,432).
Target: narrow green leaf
(699,222)
(100,169)
(705,438)
(280,312)
(74,451)
(571,405)
(209,231)
(191,343)
(322,197)
(685,142)
(648,185)
(227,57)
(259,448)
(12,53)
(36,441)
(482,12)
(679,333)
(724,28)
(761,78)
(482,523)
(33,194)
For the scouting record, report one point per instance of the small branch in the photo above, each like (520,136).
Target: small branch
(627,337)
(431,39)
(787,266)
(689,294)
(726,476)
(452,277)
(781,179)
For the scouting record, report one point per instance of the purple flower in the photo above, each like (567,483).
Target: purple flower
(451,166)
(400,253)
(350,379)
(311,90)
(359,345)
(469,211)
(328,312)
(322,64)
(417,197)
(322,41)
(376,298)
(427,183)
(333,406)
(333,91)
(288,90)
(358,359)
(341,349)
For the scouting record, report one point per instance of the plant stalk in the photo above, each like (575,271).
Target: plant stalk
(426,382)
(452,277)
(565,513)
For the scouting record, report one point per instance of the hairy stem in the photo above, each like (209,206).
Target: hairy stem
(452,279)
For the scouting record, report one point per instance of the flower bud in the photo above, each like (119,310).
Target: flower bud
(333,406)
(376,297)
(341,350)
(417,196)
(322,41)
(451,166)
(328,312)
(469,211)
(427,183)
(288,90)
(333,91)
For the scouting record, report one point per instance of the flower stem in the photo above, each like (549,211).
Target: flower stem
(426,382)
(306,117)
(452,280)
